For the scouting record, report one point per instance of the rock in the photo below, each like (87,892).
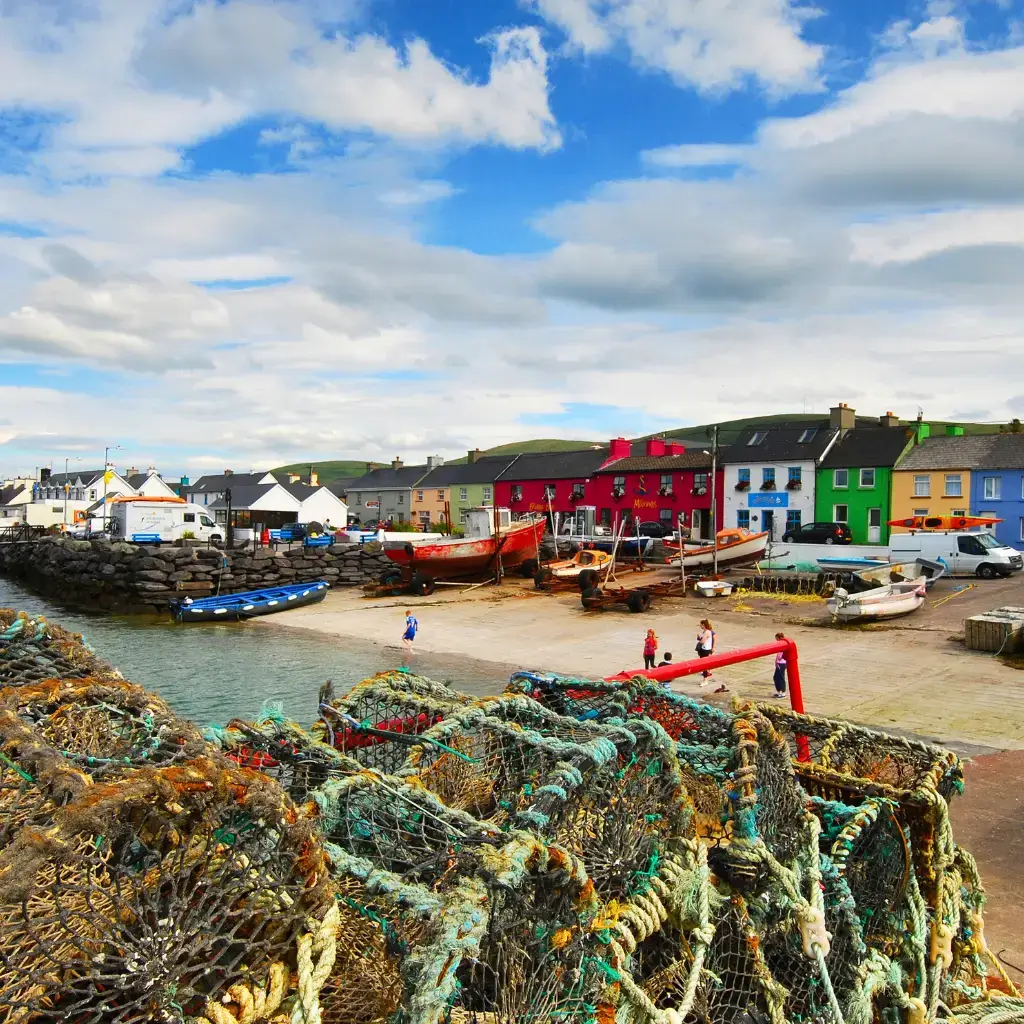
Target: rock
(153,588)
(153,575)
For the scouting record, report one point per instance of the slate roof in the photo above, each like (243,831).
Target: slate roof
(556,465)
(8,494)
(87,476)
(964,452)
(341,486)
(245,496)
(781,444)
(485,470)
(136,480)
(303,491)
(868,446)
(1005,452)
(660,463)
(217,483)
(388,479)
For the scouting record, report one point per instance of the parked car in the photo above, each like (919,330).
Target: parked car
(656,528)
(820,533)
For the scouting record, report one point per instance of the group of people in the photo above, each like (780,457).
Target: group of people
(707,643)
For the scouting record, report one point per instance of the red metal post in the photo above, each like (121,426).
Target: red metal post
(692,667)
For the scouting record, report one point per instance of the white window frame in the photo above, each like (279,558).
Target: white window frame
(958,512)
(874,476)
(959,478)
(997,488)
(419,495)
(835,513)
(440,494)
(487,495)
(835,480)
(757,438)
(927,478)
(920,512)
(463,494)
(401,499)
(1022,527)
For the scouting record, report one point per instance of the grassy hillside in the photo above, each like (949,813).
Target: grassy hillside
(327,471)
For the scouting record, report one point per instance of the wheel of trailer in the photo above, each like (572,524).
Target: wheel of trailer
(638,601)
(587,579)
(421,585)
(389,577)
(591,597)
(543,577)
(529,568)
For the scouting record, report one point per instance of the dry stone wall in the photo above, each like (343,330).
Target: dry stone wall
(116,576)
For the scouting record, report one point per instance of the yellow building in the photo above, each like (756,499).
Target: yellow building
(934,477)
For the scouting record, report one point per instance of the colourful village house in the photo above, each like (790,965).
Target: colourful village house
(469,485)
(997,487)
(387,493)
(664,483)
(559,482)
(854,480)
(934,477)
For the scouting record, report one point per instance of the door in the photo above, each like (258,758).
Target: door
(969,554)
(768,523)
(697,523)
(874,526)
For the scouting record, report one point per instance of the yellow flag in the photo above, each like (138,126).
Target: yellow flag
(108,476)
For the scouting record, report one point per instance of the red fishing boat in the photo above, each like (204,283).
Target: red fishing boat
(491,537)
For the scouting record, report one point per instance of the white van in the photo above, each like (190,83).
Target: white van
(965,554)
(147,521)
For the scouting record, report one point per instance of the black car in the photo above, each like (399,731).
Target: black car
(656,528)
(820,533)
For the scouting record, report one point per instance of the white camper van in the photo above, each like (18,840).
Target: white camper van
(143,520)
(965,554)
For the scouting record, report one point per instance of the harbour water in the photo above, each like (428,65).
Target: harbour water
(218,671)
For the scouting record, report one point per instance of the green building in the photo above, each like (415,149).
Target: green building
(854,480)
(469,484)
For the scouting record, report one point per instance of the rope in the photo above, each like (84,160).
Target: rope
(316,953)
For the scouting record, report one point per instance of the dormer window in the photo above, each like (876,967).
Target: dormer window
(759,436)
(808,435)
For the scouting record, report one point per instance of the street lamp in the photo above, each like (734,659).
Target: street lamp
(106,460)
(67,459)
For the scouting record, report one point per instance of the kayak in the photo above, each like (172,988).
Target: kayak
(943,522)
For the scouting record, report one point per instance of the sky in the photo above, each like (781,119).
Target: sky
(239,233)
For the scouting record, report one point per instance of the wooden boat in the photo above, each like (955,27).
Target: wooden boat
(903,572)
(477,552)
(735,547)
(943,522)
(570,568)
(888,602)
(250,604)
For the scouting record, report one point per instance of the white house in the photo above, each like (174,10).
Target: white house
(209,490)
(319,505)
(770,472)
(15,495)
(149,484)
(255,506)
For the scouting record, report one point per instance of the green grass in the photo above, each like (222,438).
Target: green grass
(327,471)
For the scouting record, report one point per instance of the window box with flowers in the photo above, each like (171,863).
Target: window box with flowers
(619,487)
(577,492)
(742,485)
(768,485)
(699,490)
(794,484)
(517,493)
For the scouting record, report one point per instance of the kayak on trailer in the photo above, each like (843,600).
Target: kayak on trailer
(943,522)
(249,604)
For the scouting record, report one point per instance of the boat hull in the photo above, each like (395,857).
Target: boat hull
(745,552)
(250,604)
(850,564)
(888,602)
(902,572)
(468,556)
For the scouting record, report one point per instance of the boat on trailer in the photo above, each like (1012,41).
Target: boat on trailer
(249,604)
(736,547)
(888,602)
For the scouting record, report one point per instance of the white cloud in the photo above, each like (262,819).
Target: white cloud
(711,45)
(706,154)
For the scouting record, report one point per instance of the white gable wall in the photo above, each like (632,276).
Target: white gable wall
(322,505)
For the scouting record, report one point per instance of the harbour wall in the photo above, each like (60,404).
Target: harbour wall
(104,575)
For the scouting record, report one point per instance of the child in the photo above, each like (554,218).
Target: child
(650,649)
(666,660)
(707,640)
(411,625)
(779,679)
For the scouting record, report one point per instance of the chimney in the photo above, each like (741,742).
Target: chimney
(151,471)
(44,474)
(433,461)
(954,430)
(889,420)
(314,478)
(842,417)
(184,482)
(472,456)
(132,472)
(655,447)
(229,472)
(396,463)
(619,448)
(293,478)
(674,448)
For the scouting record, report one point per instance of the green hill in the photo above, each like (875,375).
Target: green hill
(327,471)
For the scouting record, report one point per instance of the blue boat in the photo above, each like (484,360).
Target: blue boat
(248,605)
(851,563)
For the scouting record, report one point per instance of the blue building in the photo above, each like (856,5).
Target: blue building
(997,486)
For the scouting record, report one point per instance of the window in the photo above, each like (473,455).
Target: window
(549,491)
(464,493)
(840,513)
(1022,527)
(795,474)
(206,521)
(665,515)
(841,478)
(993,487)
(419,495)
(424,517)
(189,517)
(970,546)
(743,518)
(56,508)
(958,512)
(440,494)
(744,476)
(577,491)
(807,435)
(867,478)
(792,520)
(487,495)
(401,499)
(700,480)
(768,478)
(517,492)
(954,486)
(923,485)
(920,512)
(92,495)
(759,436)
(666,483)
(606,517)
(618,486)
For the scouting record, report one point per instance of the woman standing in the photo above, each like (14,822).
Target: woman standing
(707,640)
(650,648)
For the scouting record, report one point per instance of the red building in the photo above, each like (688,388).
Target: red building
(665,482)
(561,481)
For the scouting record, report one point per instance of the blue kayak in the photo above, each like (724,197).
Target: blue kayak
(250,604)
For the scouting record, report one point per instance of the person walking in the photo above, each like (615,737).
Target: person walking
(779,679)
(411,626)
(650,649)
(707,641)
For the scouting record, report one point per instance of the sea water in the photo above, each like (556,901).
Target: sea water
(213,672)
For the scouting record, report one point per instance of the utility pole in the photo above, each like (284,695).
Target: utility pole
(714,498)
(106,460)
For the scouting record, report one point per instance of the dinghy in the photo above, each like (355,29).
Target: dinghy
(249,604)
(903,572)
(886,602)
(735,547)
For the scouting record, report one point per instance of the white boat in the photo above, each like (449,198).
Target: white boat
(903,572)
(850,564)
(713,588)
(888,602)
(735,548)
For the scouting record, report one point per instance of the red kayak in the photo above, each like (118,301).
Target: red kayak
(943,522)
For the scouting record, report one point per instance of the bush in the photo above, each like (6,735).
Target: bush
(403,527)
(188,535)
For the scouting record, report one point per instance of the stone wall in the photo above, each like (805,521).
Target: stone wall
(115,576)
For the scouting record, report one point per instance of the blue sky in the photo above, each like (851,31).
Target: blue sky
(255,231)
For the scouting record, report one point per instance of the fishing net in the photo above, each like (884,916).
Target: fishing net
(32,650)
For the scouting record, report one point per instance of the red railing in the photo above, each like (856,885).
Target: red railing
(713,661)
